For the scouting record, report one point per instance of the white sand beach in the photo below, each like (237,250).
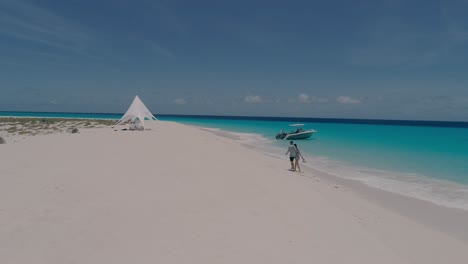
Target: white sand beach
(179,194)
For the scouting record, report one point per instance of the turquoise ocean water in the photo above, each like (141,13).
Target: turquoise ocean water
(427,161)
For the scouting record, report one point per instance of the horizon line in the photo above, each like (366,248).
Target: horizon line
(411,122)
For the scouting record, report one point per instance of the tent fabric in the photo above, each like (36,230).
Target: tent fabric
(137,111)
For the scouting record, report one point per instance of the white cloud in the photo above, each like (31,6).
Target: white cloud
(179,101)
(305,98)
(347,100)
(253,99)
(53,101)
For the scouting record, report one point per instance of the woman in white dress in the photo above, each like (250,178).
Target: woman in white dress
(298,157)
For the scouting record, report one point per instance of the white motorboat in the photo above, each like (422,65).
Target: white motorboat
(298,133)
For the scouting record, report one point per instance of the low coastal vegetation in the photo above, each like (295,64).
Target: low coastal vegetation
(34,126)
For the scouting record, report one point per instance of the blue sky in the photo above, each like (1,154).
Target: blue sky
(354,59)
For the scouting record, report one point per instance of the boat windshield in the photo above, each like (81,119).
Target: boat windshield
(299,130)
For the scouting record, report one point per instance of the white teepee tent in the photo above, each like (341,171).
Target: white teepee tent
(137,111)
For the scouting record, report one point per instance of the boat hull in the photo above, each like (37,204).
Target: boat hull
(295,136)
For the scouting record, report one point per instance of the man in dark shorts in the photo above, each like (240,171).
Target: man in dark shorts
(292,151)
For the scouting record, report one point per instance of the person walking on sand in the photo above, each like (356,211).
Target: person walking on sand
(298,157)
(292,151)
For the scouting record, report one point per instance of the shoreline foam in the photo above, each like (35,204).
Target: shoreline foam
(439,192)
(441,214)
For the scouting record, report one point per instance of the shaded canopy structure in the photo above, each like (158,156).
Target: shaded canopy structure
(137,111)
